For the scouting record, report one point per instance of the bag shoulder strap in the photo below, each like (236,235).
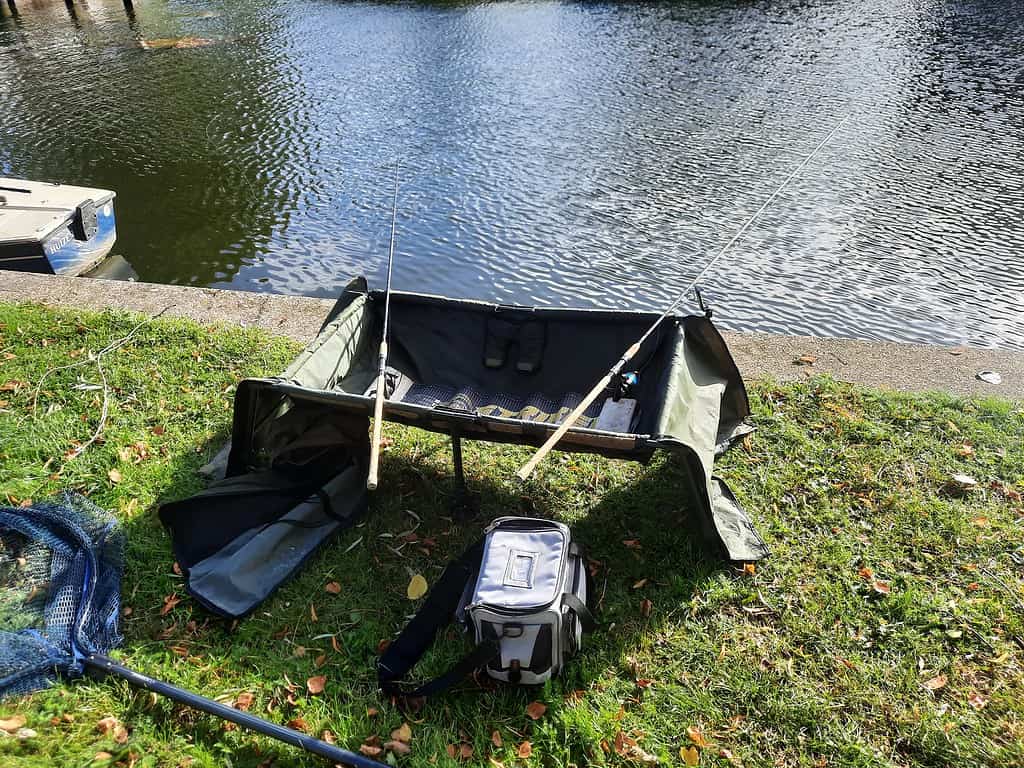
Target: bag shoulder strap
(419,634)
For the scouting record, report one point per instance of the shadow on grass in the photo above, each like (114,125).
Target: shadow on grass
(646,555)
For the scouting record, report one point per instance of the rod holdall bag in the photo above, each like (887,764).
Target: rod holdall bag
(521,593)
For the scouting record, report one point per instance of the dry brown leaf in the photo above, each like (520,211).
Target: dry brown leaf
(111,726)
(12,723)
(372,711)
(496,739)
(881,587)
(643,682)
(398,747)
(332,587)
(866,573)
(316,684)
(320,660)
(244,701)
(335,644)
(328,737)
(937,682)
(632,544)
(977,701)
(525,750)
(749,569)
(465,751)
(639,584)
(169,602)
(371,751)
(115,476)
(417,587)
(404,733)
(299,724)
(102,757)
(696,737)
(646,608)
(806,360)
(312,613)
(535,710)
(450,749)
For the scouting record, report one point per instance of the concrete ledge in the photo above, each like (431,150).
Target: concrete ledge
(887,365)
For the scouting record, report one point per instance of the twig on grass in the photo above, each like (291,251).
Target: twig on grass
(96,358)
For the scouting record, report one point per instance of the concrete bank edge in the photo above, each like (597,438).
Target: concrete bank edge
(881,364)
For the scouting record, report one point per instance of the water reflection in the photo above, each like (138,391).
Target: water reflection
(556,153)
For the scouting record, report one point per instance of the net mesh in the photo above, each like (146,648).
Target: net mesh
(60,584)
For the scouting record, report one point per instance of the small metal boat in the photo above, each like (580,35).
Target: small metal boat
(54,228)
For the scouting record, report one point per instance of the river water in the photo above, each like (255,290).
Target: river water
(587,154)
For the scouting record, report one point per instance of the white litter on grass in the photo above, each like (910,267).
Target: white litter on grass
(990,377)
(965,481)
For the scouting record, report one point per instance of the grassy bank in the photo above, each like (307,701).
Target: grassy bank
(886,629)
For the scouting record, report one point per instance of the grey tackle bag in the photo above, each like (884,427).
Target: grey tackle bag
(521,592)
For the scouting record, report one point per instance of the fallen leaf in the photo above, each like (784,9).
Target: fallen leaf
(333,588)
(169,603)
(639,584)
(370,751)
(372,711)
(525,750)
(111,726)
(328,737)
(535,710)
(158,430)
(12,724)
(964,481)
(299,724)
(244,701)
(749,569)
(632,544)
(404,733)
(101,757)
(496,739)
(977,701)
(417,587)
(450,749)
(334,644)
(965,450)
(696,737)
(312,613)
(866,573)
(114,475)
(881,587)
(465,751)
(646,607)
(644,683)
(689,755)
(316,684)
(981,522)
(320,660)
(937,682)
(804,360)
(398,747)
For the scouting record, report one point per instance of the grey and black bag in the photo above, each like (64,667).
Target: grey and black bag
(521,592)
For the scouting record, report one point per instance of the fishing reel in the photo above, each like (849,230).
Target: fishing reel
(623,385)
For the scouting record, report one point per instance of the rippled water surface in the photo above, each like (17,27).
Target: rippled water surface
(552,153)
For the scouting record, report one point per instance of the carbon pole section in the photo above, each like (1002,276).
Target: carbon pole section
(527,469)
(224,712)
(378,406)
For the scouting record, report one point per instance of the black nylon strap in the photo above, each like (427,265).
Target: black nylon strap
(578,607)
(419,634)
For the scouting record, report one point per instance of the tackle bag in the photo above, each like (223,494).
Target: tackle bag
(521,591)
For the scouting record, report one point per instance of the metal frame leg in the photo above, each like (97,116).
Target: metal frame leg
(463,505)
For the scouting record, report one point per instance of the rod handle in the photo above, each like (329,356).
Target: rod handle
(527,469)
(378,422)
(224,712)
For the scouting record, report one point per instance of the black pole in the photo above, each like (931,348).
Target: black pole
(224,712)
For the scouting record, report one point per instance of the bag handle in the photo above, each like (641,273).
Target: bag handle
(419,634)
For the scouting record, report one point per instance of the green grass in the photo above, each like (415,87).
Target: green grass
(803,662)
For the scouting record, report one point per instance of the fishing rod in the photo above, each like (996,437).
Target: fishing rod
(378,406)
(527,469)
